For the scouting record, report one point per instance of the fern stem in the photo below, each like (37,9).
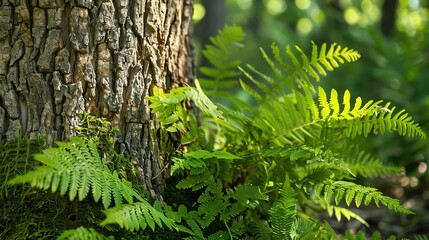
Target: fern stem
(229,230)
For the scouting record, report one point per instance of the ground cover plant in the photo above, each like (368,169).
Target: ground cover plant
(264,168)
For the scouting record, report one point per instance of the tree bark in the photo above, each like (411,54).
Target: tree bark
(59,58)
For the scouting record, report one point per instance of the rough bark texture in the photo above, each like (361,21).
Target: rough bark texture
(59,58)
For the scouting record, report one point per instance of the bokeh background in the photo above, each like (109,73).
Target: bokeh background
(393,38)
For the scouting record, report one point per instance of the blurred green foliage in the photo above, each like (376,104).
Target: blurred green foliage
(393,38)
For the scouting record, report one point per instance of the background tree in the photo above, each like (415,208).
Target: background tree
(61,58)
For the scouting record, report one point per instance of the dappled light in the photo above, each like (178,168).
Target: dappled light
(303,4)
(275,7)
(352,15)
(244,4)
(304,26)
(199,12)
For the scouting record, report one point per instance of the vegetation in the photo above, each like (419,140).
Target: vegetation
(267,169)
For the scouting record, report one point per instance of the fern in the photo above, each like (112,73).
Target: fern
(283,213)
(76,167)
(286,122)
(82,233)
(347,213)
(362,236)
(364,164)
(165,103)
(349,191)
(294,72)
(220,78)
(288,156)
(420,237)
(136,216)
(261,229)
(15,158)
(311,229)
(213,202)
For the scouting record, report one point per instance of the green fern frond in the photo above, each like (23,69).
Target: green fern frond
(136,216)
(190,218)
(358,194)
(221,76)
(15,158)
(196,180)
(76,167)
(249,195)
(203,166)
(361,236)
(82,233)
(362,163)
(288,122)
(213,202)
(283,213)
(172,114)
(160,101)
(372,117)
(219,235)
(420,237)
(310,228)
(300,227)
(347,213)
(297,68)
(261,229)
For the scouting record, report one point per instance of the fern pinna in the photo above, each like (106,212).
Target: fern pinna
(75,167)
(295,145)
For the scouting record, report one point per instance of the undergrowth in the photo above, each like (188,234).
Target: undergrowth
(261,170)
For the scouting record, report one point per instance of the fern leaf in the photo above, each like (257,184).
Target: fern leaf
(323,99)
(196,181)
(270,62)
(261,229)
(221,55)
(297,72)
(106,196)
(76,167)
(82,233)
(161,103)
(283,213)
(84,184)
(250,91)
(346,101)
(248,195)
(136,216)
(305,229)
(347,213)
(219,235)
(359,194)
(335,106)
(362,163)
(75,178)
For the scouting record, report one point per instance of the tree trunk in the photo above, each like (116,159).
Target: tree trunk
(60,58)
(388,18)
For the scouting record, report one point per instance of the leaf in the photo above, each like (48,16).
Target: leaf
(136,216)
